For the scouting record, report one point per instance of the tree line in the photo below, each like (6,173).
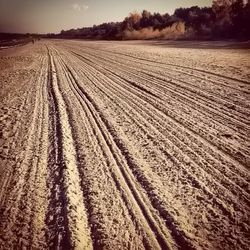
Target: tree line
(225,19)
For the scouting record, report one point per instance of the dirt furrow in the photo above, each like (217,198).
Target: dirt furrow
(123,176)
(162,129)
(130,55)
(92,152)
(164,68)
(168,95)
(124,145)
(158,77)
(70,213)
(171,113)
(122,98)
(165,216)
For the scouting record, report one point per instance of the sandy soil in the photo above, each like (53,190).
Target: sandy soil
(124,145)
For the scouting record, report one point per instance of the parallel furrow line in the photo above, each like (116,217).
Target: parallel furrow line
(157,104)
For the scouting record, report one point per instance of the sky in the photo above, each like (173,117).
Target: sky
(51,16)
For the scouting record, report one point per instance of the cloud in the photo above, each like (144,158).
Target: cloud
(80,7)
(85,7)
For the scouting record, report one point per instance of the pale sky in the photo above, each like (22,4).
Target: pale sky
(44,16)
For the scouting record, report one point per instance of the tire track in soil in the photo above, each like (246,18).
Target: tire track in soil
(104,126)
(108,165)
(141,59)
(116,155)
(163,70)
(154,161)
(204,101)
(104,87)
(66,218)
(125,80)
(193,128)
(216,112)
(148,114)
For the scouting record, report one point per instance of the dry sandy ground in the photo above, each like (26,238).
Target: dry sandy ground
(124,145)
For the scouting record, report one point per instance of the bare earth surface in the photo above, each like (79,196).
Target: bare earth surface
(124,145)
